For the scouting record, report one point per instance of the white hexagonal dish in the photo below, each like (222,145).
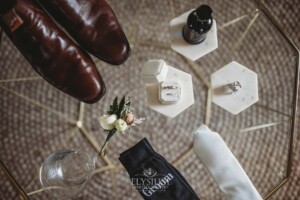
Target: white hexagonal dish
(191,51)
(187,94)
(222,95)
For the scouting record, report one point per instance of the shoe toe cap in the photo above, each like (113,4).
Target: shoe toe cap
(116,48)
(87,87)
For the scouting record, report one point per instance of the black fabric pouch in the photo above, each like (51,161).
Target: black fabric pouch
(153,176)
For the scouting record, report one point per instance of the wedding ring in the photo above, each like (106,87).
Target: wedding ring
(170,94)
(170,87)
(234,86)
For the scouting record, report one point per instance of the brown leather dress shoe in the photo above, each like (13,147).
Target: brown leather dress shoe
(50,51)
(93,24)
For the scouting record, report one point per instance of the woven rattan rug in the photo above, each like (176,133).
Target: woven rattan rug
(36,119)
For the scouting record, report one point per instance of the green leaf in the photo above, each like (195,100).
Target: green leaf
(113,109)
(121,106)
(115,101)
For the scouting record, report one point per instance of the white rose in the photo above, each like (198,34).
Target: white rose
(121,125)
(108,121)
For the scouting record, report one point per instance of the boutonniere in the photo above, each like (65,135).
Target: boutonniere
(118,119)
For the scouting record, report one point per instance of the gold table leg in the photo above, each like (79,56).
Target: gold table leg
(12,180)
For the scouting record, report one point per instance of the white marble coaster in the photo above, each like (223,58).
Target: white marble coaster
(191,51)
(223,96)
(187,94)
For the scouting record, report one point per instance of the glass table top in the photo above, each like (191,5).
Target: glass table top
(37,119)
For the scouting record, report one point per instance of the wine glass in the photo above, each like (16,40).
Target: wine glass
(65,173)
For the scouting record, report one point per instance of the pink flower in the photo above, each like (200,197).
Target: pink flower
(129,118)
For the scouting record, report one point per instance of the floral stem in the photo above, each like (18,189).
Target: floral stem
(103,150)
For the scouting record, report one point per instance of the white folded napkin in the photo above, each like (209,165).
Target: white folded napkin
(223,166)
